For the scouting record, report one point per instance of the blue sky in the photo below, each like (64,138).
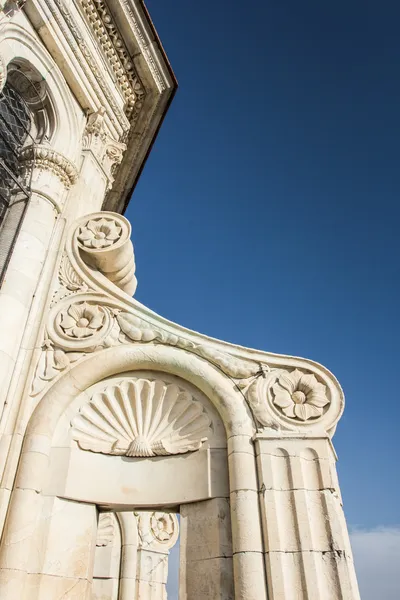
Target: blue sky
(267,214)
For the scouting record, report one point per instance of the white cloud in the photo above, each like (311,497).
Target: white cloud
(377,558)
(376,554)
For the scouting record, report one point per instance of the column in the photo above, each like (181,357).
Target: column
(206,565)
(157,534)
(307,548)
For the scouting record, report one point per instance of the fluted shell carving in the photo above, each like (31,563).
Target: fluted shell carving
(141,418)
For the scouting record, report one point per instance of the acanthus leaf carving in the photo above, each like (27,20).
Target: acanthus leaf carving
(136,329)
(105,530)
(52,362)
(232,366)
(141,418)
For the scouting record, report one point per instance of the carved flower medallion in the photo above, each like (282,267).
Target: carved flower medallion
(299,395)
(81,320)
(99,233)
(162,526)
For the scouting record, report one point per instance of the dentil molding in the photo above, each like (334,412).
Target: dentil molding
(92,310)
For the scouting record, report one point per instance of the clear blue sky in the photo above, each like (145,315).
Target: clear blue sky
(268,211)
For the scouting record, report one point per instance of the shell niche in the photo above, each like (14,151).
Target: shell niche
(141,418)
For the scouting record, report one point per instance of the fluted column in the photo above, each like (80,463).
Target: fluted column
(307,548)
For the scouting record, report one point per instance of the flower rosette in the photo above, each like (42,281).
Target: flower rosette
(162,526)
(81,323)
(99,233)
(299,395)
(82,320)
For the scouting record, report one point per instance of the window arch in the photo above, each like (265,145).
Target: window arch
(26,117)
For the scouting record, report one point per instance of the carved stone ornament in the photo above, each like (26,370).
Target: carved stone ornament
(162,526)
(99,233)
(299,395)
(45,158)
(114,48)
(141,418)
(109,152)
(91,312)
(105,530)
(82,320)
(104,243)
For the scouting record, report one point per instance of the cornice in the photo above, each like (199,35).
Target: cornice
(114,48)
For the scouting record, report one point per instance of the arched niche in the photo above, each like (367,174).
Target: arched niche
(89,469)
(52,471)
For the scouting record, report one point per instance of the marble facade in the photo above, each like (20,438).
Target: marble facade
(114,419)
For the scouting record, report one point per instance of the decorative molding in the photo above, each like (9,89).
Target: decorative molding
(43,157)
(107,34)
(141,418)
(108,151)
(71,31)
(105,530)
(162,526)
(89,313)
(145,48)
(52,361)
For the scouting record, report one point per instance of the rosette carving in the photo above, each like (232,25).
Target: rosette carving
(82,320)
(289,399)
(299,396)
(162,526)
(141,418)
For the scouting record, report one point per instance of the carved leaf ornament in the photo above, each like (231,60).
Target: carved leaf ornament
(141,418)
(105,530)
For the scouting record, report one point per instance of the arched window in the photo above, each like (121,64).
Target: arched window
(26,117)
(15,127)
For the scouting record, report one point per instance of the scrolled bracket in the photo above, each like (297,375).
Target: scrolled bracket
(102,242)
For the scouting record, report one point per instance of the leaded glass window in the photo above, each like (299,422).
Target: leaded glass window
(15,125)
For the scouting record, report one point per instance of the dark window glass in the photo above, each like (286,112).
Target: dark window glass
(15,123)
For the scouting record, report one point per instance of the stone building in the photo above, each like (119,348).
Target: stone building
(113,419)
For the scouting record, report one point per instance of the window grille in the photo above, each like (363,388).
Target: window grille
(15,125)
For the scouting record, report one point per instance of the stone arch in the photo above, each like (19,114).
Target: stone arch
(34,464)
(18,46)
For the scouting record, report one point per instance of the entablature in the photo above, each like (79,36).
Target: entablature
(112,61)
